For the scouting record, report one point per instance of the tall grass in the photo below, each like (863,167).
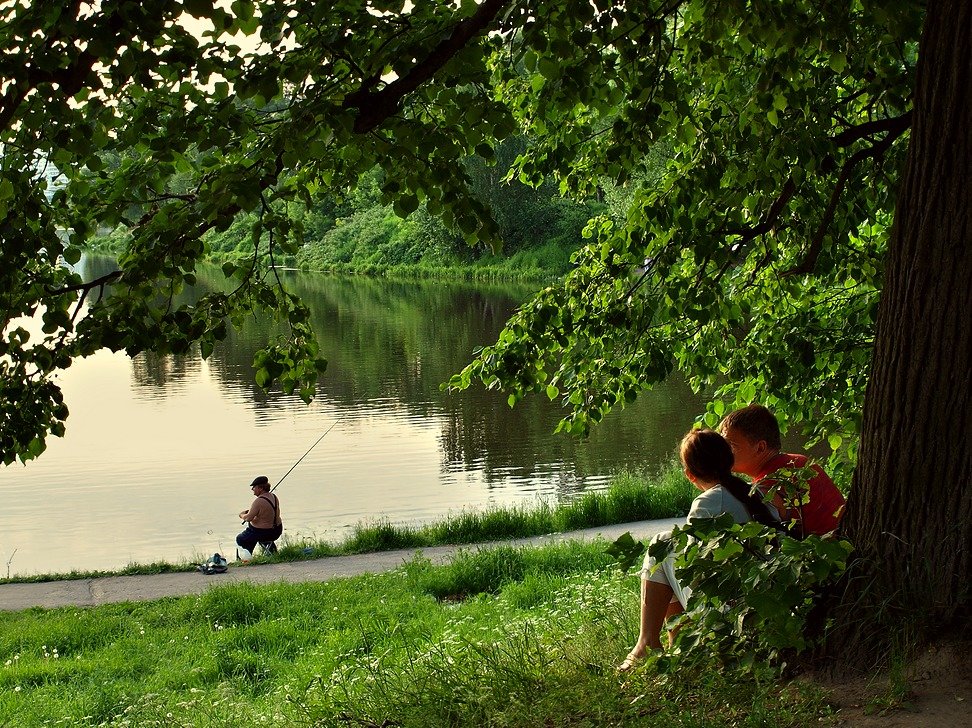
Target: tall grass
(630,497)
(516,637)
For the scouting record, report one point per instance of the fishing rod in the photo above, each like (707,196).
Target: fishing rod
(305,454)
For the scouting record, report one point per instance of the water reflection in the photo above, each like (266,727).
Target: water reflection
(160,448)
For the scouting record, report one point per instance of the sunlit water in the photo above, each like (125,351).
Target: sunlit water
(160,451)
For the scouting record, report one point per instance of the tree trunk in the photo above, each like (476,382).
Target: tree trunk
(910,510)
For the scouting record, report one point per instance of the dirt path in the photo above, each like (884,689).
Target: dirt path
(143,587)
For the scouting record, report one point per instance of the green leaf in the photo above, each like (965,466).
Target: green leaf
(36,447)
(406,205)
(626,551)
(199,8)
(727,550)
(262,377)
(747,392)
(549,68)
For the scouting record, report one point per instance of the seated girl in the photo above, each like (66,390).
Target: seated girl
(708,460)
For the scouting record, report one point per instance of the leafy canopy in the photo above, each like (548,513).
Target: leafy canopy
(754,255)
(753,262)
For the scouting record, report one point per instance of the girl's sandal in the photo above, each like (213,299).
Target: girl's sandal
(631,662)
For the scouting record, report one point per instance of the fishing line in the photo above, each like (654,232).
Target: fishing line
(305,454)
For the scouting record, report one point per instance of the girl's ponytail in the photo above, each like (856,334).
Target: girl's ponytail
(741,491)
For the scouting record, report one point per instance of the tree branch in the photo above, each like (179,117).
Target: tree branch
(374,107)
(895,125)
(876,150)
(85,287)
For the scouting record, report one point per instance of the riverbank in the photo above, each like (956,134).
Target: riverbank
(98,591)
(491,270)
(630,497)
(512,636)
(535,266)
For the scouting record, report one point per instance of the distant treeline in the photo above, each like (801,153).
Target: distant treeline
(357,233)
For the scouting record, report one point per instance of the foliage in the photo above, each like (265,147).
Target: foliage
(754,261)
(756,254)
(754,590)
(198,131)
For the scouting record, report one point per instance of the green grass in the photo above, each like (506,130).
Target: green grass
(629,497)
(499,637)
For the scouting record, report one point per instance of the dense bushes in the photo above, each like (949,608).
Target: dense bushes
(539,229)
(359,233)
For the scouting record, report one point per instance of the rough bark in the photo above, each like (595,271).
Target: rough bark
(910,510)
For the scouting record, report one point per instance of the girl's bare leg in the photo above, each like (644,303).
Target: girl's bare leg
(655,599)
(674,608)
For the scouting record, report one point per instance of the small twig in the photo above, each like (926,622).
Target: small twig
(748,233)
(896,538)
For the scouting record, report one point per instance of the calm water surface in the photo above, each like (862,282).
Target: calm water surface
(160,450)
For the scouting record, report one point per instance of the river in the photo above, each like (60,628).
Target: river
(160,450)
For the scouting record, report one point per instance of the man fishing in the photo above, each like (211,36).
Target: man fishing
(264,524)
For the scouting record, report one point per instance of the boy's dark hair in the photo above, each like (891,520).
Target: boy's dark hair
(755,422)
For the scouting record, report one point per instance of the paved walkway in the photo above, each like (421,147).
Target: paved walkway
(142,587)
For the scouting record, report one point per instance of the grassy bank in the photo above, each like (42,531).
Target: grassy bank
(629,497)
(539,264)
(517,637)
(476,272)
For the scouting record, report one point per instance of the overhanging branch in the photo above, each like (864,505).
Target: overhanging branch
(769,220)
(893,127)
(85,287)
(876,151)
(376,106)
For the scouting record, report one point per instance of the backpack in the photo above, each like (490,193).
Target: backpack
(216,565)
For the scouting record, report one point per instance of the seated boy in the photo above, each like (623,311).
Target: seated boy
(754,435)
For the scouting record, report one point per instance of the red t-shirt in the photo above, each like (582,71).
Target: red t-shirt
(821,513)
